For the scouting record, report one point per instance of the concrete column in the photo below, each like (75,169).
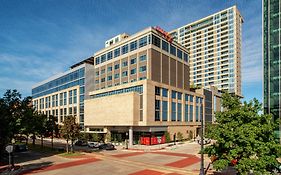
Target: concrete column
(130,136)
(107,136)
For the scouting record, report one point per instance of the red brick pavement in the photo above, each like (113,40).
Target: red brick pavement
(128,154)
(184,162)
(147,172)
(152,172)
(174,154)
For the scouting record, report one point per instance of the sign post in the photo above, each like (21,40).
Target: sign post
(10,149)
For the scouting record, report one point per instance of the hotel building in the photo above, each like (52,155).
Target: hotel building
(272,59)
(142,89)
(214,44)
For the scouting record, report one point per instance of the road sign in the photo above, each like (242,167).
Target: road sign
(9,148)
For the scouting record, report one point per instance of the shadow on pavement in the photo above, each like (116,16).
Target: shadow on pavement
(27,168)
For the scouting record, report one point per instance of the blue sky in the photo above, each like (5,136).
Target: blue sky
(39,39)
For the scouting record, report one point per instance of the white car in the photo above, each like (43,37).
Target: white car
(205,140)
(93,144)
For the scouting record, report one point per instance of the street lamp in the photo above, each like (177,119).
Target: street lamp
(202,147)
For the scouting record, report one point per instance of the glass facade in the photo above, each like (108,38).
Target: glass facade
(71,79)
(271,57)
(138,89)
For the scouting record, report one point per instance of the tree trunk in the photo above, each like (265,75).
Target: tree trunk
(67,145)
(41,141)
(26,141)
(72,145)
(33,139)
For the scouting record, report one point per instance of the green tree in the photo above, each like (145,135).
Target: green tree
(70,130)
(167,137)
(41,126)
(179,136)
(244,138)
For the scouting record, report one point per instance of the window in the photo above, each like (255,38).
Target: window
(186,113)
(138,89)
(109,78)
(133,60)
(172,50)
(157,90)
(70,111)
(179,112)
(124,63)
(103,80)
(97,73)
(70,97)
(174,94)
(124,73)
(164,92)
(97,60)
(61,99)
(117,52)
(143,41)
(191,112)
(179,95)
(116,76)
(103,58)
(179,54)
(197,114)
(186,97)
(164,110)
(75,110)
(109,69)
(74,96)
(64,98)
(142,68)
(102,71)
(142,58)
(191,98)
(97,81)
(133,71)
(157,110)
(109,55)
(125,49)
(185,55)
(157,104)
(133,45)
(165,46)
(143,78)
(173,111)
(156,41)
(116,66)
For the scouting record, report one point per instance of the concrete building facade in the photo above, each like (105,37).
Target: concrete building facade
(214,44)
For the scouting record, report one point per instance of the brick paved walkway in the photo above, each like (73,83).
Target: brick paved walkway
(60,166)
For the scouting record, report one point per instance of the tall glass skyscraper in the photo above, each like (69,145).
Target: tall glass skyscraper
(271,57)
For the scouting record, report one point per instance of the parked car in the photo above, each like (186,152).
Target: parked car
(205,141)
(20,148)
(80,143)
(93,144)
(107,146)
